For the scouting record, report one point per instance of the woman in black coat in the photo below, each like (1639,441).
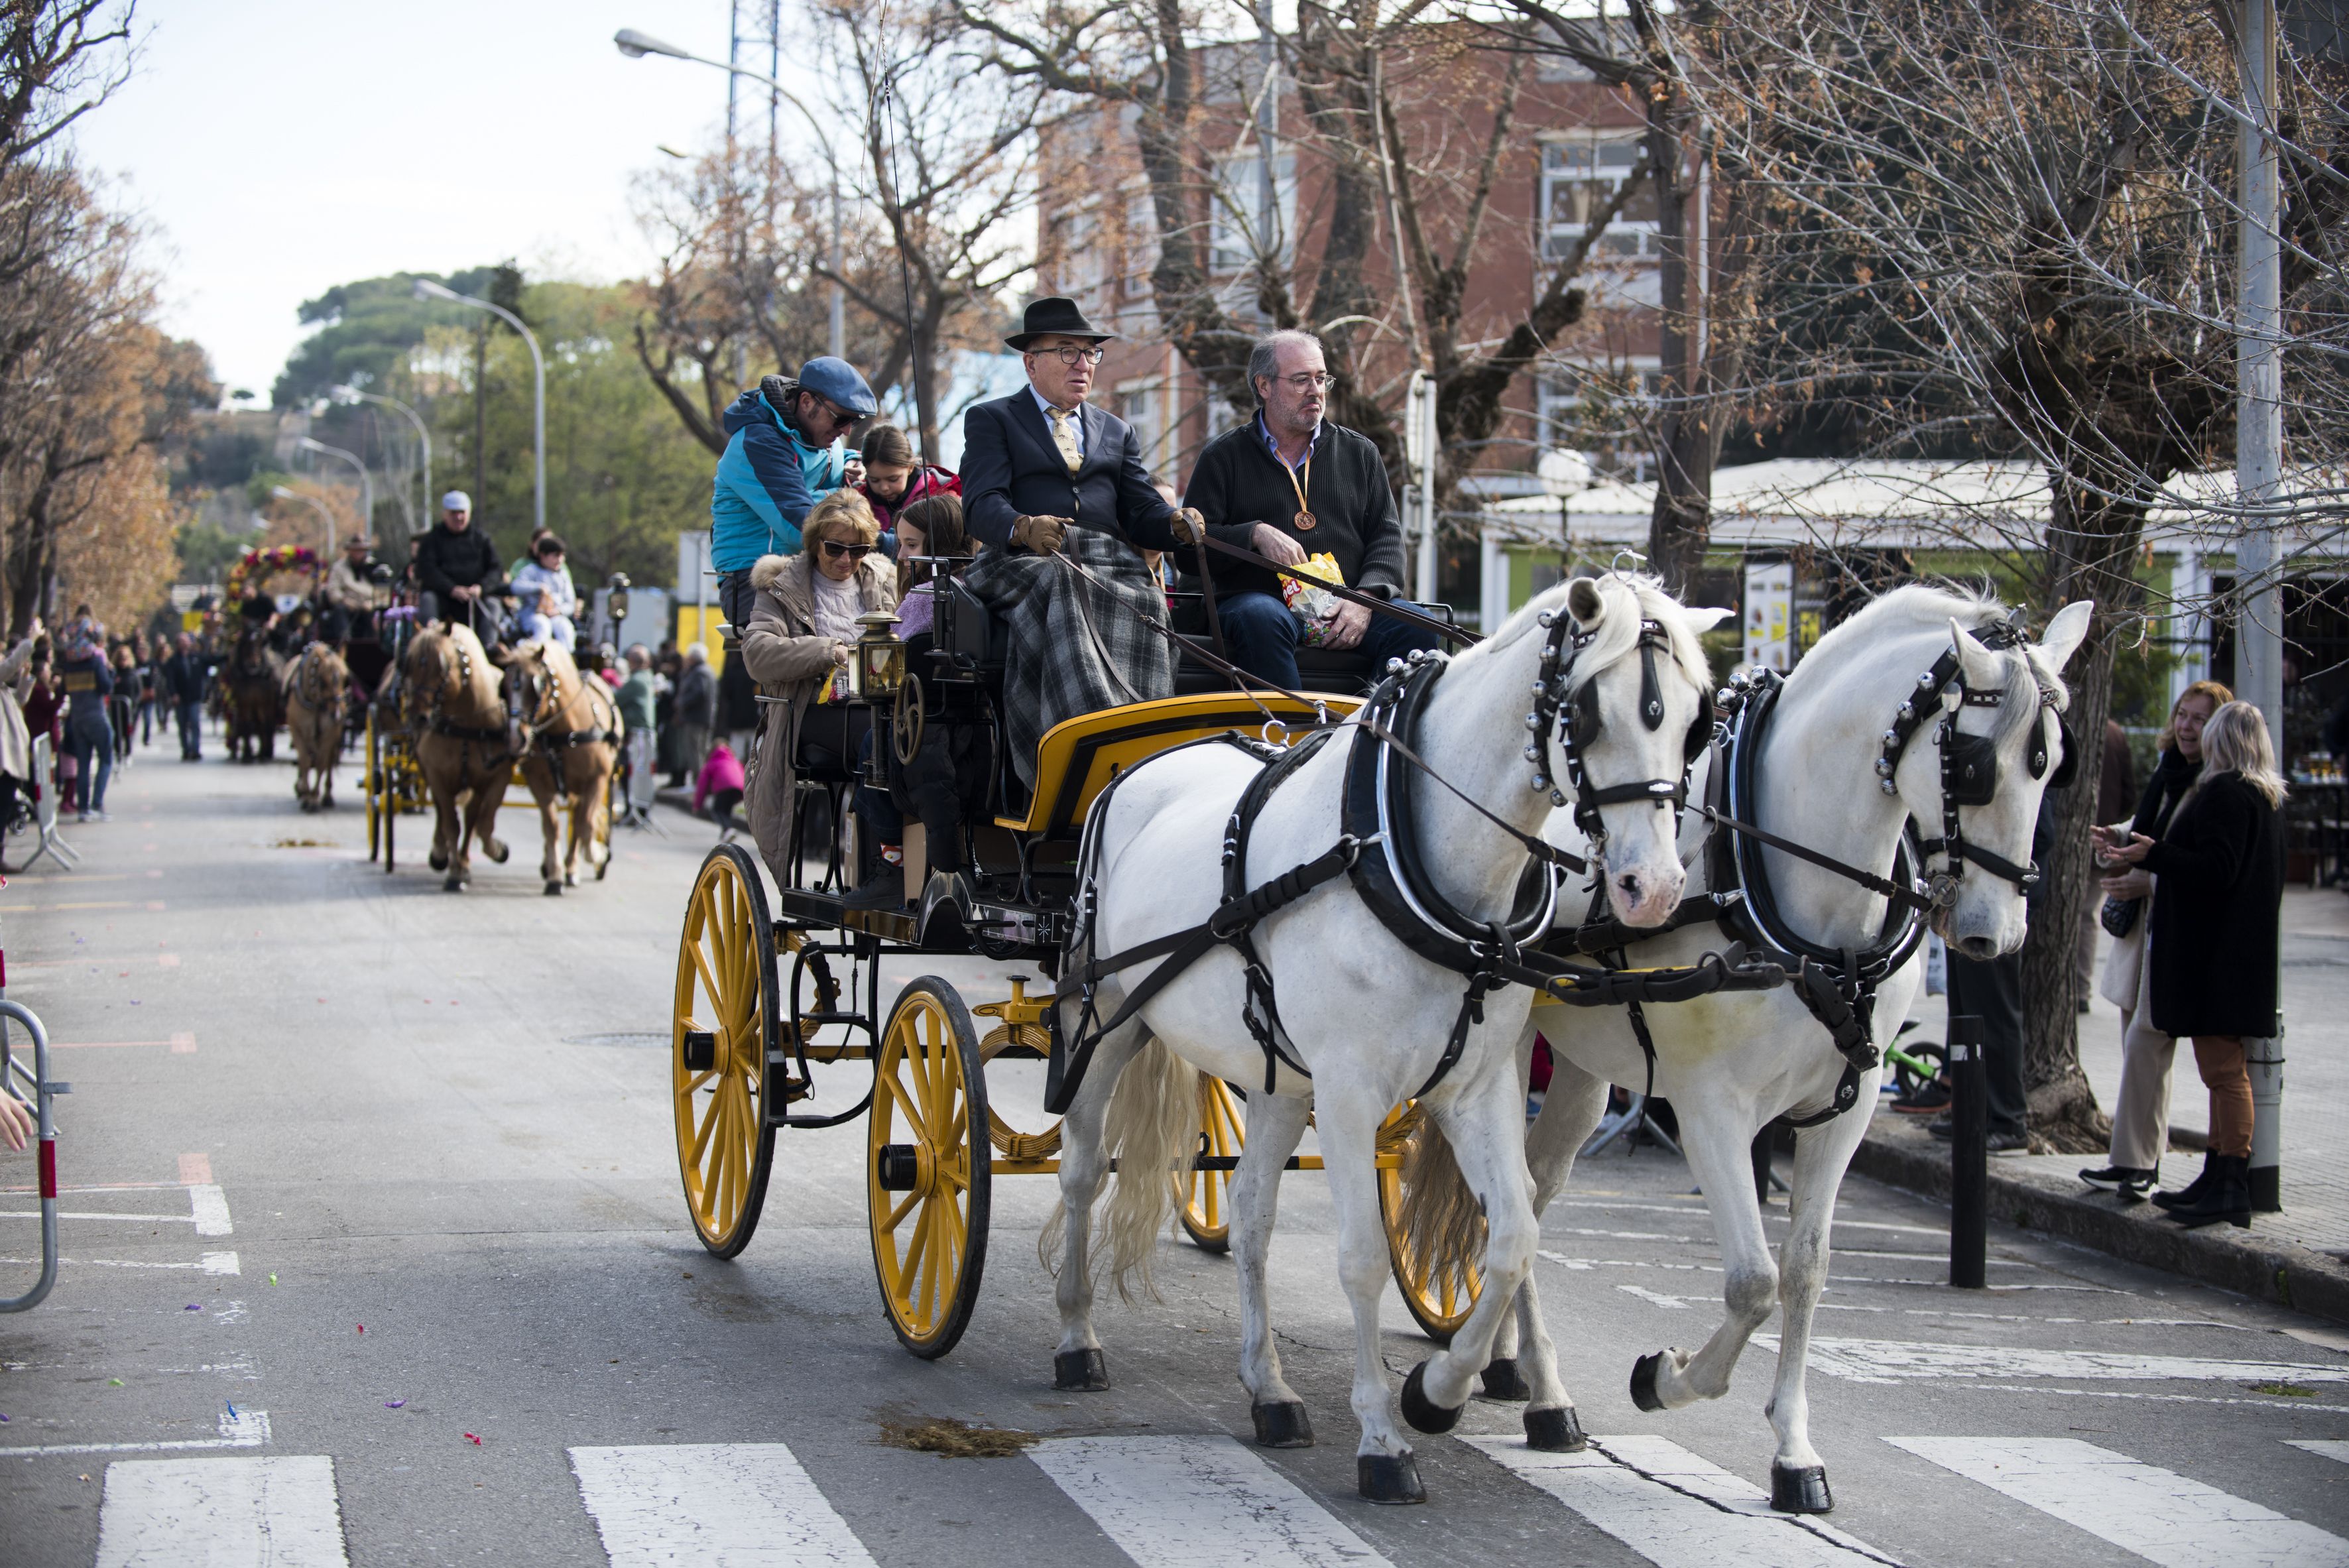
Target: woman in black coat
(2219,884)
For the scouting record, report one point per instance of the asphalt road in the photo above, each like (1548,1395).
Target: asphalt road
(361,1172)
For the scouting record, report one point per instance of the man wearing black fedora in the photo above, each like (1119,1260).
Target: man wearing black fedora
(1044,474)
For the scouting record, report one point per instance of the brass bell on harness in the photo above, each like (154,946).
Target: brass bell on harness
(877,667)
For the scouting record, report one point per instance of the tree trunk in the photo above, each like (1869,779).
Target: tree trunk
(1681,524)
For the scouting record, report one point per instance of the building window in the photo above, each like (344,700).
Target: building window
(1081,270)
(1238,211)
(1140,404)
(1580,175)
(1141,242)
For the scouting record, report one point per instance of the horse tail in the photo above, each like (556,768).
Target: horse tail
(1151,1131)
(1442,1223)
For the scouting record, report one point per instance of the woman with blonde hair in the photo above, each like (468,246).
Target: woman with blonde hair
(2141,1112)
(803,625)
(2219,885)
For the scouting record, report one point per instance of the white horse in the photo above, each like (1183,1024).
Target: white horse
(1367,1016)
(1733,1062)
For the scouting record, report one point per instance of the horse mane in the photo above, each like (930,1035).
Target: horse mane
(1929,608)
(1618,632)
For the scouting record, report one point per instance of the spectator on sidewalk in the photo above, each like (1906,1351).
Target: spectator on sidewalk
(1992,990)
(636,700)
(88,682)
(719,790)
(696,711)
(2218,890)
(185,675)
(2116,788)
(2141,1109)
(16,778)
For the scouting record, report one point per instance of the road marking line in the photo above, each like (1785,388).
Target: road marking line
(209,1205)
(183,1045)
(1176,1501)
(167,960)
(180,1045)
(210,1263)
(2171,1518)
(743,1505)
(195,1168)
(1895,1360)
(1655,1298)
(238,1430)
(99,1214)
(1674,1508)
(2323,1448)
(281,1510)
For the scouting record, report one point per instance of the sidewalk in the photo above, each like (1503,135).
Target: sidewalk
(2300,1255)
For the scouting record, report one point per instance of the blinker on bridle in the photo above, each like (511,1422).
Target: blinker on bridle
(1577,725)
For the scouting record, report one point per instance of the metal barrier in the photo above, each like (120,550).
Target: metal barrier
(43,1089)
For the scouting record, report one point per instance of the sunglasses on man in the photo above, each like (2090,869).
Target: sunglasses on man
(835,550)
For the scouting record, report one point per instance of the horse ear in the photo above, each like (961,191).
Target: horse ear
(1977,664)
(1584,602)
(2065,633)
(1704,619)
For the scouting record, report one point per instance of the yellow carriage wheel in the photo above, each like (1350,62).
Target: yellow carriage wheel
(927,1170)
(724,1025)
(1203,1199)
(1440,1297)
(374,827)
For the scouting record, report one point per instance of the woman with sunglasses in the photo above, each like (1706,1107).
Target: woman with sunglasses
(803,625)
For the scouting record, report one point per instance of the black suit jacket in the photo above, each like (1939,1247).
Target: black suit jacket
(1012,469)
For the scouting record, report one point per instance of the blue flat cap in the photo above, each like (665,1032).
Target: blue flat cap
(836,382)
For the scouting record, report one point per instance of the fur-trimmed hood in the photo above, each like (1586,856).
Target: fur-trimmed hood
(764,571)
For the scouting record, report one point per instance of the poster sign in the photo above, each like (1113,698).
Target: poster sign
(1769,613)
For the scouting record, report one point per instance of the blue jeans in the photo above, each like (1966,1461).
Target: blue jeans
(93,751)
(191,728)
(1260,635)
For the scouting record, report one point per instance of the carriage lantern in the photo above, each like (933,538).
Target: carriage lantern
(878,668)
(616,604)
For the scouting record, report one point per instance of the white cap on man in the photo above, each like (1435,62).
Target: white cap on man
(456,500)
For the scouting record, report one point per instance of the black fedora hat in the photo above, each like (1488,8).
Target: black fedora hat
(1054,316)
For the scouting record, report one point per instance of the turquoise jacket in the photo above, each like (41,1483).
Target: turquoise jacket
(767,479)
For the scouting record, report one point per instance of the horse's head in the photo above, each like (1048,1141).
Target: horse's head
(1636,710)
(1994,742)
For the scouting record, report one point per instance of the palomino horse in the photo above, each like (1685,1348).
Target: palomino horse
(1812,765)
(571,745)
(463,744)
(317,692)
(1370,1018)
(252,700)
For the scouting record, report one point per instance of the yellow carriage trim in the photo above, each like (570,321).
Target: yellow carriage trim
(1078,758)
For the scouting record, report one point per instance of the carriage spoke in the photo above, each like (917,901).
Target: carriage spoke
(905,1103)
(896,1215)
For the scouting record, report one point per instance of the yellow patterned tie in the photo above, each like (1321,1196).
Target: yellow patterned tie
(1065,437)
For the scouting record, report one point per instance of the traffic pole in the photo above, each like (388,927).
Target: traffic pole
(1968,1155)
(2265,1060)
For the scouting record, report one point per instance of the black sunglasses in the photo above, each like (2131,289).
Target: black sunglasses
(834,549)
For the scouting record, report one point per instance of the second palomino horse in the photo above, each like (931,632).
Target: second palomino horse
(571,743)
(318,693)
(1927,706)
(1371,962)
(463,744)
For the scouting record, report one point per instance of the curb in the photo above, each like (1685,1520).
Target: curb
(2241,1261)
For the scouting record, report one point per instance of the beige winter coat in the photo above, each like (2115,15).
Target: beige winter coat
(15,685)
(790,661)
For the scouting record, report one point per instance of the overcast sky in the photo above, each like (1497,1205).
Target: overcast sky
(278,149)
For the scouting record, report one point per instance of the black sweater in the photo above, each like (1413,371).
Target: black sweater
(2220,870)
(448,560)
(1239,483)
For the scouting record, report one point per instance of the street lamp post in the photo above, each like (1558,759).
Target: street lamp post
(427,289)
(422,435)
(366,486)
(282,493)
(637,46)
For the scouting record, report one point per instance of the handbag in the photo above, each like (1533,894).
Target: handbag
(2118,917)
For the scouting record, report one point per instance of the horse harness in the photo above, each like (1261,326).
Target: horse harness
(534,728)
(438,723)
(1378,851)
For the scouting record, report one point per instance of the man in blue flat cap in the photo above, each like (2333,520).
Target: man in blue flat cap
(781,458)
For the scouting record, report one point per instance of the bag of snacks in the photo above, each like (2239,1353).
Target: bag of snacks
(1309,603)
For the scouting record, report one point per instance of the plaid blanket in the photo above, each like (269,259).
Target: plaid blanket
(1076,645)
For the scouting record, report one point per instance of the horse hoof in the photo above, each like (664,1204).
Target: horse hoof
(437,861)
(553,888)
(1282,1426)
(1643,1382)
(1080,1372)
(1803,1490)
(1424,1413)
(495,849)
(1554,1431)
(570,878)
(1382,1478)
(1504,1381)
(454,884)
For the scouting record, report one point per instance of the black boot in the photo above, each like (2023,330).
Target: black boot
(2126,1181)
(2226,1195)
(883,887)
(2191,1191)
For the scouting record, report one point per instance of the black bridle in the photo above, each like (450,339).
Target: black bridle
(1576,724)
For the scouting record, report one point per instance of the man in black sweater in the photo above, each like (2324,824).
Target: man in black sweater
(1287,485)
(457,565)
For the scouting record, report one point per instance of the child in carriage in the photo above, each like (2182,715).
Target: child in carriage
(549,604)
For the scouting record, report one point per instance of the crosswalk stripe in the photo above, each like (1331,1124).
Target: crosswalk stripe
(1899,1360)
(2323,1448)
(1676,1510)
(279,1509)
(2171,1518)
(722,1505)
(1179,1502)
